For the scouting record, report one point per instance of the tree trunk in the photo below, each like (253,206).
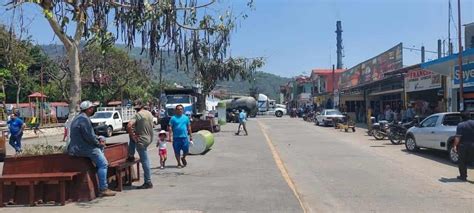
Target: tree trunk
(18,89)
(75,87)
(201,103)
(4,96)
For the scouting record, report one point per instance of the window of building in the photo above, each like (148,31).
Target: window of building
(353,106)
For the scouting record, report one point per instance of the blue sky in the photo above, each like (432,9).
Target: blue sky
(298,35)
(295,36)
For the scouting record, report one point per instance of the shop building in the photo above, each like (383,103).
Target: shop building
(371,84)
(325,82)
(302,88)
(449,68)
(424,91)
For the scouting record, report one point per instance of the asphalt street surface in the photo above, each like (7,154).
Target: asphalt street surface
(335,171)
(288,165)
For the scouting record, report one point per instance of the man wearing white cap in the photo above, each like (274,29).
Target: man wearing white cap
(84,143)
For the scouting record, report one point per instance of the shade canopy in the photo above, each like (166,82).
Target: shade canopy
(445,66)
(37,95)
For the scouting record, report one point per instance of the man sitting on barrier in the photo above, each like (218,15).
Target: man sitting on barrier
(84,143)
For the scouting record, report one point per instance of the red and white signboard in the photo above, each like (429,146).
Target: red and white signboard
(420,79)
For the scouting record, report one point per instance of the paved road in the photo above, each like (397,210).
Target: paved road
(237,175)
(288,165)
(348,172)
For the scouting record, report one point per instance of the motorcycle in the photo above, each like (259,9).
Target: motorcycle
(309,117)
(370,132)
(380,130)
(398,131)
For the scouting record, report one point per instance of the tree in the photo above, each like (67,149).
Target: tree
(60,77)
(41,81)
(16,59)
(112,74)
(4,75)
(162,24)
(210,72)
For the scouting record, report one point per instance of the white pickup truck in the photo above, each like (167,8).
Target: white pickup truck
(435,132)
(109,120)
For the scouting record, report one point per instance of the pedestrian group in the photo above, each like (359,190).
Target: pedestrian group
(83,142)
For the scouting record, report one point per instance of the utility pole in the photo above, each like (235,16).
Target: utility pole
(461,78)
(162,63)
(333,84)
(439,48)
(450,47)
(422,54)
(41,119)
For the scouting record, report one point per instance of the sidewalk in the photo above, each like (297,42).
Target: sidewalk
(362,125)
(43,132)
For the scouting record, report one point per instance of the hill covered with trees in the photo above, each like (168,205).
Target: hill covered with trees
(263,82)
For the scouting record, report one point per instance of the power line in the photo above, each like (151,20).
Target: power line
(415,49)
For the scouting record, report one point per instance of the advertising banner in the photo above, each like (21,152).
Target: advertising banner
(468,75)
(420,79)
(374,68)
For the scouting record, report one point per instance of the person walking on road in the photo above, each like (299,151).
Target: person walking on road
(242,122)
(140,130)
(16,127)
(180,135)
(464,144)
(85,143)
(161,144)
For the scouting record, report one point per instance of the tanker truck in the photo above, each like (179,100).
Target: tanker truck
(249,104)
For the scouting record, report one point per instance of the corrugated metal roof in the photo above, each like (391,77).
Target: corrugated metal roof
(326,71)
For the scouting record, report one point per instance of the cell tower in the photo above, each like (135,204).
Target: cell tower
(339,45)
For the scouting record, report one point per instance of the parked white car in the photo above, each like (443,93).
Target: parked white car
(280,110)
(327,117)
(435,132)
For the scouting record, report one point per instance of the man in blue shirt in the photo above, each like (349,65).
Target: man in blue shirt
(242,122)
(16,126)
(179,130)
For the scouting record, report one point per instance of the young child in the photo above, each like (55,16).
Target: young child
(161,144)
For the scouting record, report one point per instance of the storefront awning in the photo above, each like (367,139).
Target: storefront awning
(386,92)
(445,66)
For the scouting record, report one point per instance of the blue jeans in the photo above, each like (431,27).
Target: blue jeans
(142,152)
(97,156)
(15,141)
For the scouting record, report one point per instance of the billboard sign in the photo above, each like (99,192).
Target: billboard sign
(374,68)
(468,75)
(420,79)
